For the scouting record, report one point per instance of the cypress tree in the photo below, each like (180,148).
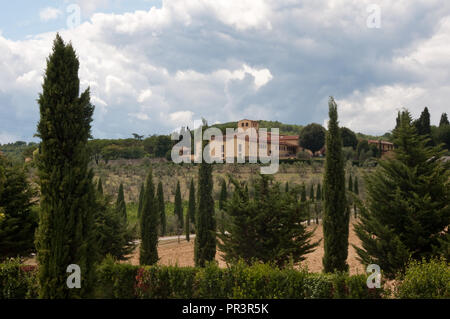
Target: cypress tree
(350,183)
(149,225)
(444,120)
(407,210)
(304,205)
(336,214)
(178,209)
(100,186)
(66,227)
(17,221)
(205,224)
(186,227)
(286,187)
(223,194)
(141,200)
(356,191)
(161,208)
(191,210)
(318,204)
(311,193)
(121,206)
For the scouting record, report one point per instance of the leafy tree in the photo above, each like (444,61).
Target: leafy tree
(17,221)
(444,120)
(312,137)
(336,214)
(161,208)
(407,212)
(66,228)
(205,224)
(349,138)
(266,228)
(121,206)
(191,209)
(363,146)
(149,225)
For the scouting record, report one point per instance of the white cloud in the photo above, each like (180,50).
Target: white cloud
(49,13)
(150,71)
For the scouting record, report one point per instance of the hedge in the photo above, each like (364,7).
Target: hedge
(18,281)
(425,280)
(117,280)
(239,281)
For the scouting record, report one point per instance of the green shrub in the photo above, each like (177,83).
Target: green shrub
(425,280)
(18,281)
(115,281)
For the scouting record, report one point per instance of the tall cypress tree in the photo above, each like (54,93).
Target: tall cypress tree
(311,193)
(191,210)
(100,186)
(187,227)
(149,225)
(121,206)
(356,191)
(444,120)
(336,214)
(407,210)
(286,187)
(141,200)
(66,227)
(350,183)
(178,209)
(161,208)
(223,194)
(304,205)
(318,204)
(205,239)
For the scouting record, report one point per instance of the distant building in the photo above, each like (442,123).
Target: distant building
(251,142)
(383,146)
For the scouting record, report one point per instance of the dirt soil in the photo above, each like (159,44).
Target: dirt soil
(182,254)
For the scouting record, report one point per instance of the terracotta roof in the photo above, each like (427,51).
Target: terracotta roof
(378,142)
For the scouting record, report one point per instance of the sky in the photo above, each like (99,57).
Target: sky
(154,66)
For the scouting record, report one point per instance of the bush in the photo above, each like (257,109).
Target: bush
(18,281)
(425,280)
(115,281)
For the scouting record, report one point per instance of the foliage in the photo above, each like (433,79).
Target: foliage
(407,213)
(205,223)
(267,227)
(312,137)
(66,228)
(161,208)
(17,221)
(149,223)
(425,280)
(18,281)
(349,138)
(336,213)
